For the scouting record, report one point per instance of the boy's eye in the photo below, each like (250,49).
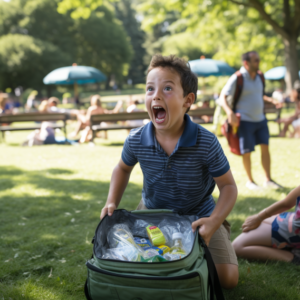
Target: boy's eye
(149,89)
(168,88)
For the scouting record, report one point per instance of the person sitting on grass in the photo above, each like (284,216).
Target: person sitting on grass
(181,163)
(268,234)
(46,134)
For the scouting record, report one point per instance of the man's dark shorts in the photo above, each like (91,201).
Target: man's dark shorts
(252,134)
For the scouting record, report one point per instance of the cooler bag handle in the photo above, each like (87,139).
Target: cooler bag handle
(214,283)
(151,211)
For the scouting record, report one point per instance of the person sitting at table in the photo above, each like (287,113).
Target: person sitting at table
(83,121)
(4,109)
(293,119)
(132,107)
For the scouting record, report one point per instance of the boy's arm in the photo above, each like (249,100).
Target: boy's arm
(287,203)
(227,198)
(118,183)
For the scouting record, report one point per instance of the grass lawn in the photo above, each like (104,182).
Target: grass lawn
(51,197)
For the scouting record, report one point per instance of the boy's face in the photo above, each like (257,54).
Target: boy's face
(165,102)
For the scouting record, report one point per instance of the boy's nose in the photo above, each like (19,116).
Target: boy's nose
(156,95)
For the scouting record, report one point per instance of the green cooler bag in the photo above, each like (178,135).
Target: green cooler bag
(192,277)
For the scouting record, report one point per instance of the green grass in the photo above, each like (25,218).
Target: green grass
(51,197)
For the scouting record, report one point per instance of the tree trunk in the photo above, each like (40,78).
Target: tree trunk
(291,62)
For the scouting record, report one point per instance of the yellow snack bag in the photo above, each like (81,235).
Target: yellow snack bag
(164,248)
(155,236)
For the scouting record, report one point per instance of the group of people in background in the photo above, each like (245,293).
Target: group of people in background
(82,132)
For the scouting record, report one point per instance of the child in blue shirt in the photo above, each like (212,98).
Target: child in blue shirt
(181,162)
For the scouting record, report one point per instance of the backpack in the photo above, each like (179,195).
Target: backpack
(193,277)
(240,84)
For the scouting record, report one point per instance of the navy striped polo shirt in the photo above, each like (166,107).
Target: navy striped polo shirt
(183,181)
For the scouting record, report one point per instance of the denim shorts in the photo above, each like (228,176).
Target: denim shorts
(252,134)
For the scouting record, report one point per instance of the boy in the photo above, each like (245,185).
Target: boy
(181,162)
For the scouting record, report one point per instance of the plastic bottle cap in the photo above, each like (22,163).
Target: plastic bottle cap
(177,235)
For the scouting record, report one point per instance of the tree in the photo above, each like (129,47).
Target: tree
(102,42)
(127,15)
(25,60)
(99,41)
(282,16)
(184,45)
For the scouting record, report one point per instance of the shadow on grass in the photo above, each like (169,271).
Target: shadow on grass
(49,220)
(113,144)
(14,144)
(59,171)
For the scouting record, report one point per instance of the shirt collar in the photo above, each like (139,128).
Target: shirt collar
(187,139)
(246,73)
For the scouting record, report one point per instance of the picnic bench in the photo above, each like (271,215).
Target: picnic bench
(270,108)
(7,120)
(96,120)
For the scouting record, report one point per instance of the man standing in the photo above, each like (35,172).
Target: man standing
(253,128)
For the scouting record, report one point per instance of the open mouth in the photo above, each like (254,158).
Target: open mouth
(159,113)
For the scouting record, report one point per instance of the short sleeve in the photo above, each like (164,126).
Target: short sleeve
(216,160)
(230,86)
(128,156)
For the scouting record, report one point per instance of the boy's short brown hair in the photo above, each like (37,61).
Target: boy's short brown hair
(189,80)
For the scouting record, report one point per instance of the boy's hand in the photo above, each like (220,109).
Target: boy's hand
(207,228)
(109,209)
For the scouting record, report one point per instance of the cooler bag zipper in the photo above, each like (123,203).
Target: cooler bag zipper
(181,277)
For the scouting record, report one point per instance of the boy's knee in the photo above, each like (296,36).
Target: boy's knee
(230,281)
(228,275)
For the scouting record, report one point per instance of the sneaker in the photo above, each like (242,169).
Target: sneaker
(252,186)
(272,185)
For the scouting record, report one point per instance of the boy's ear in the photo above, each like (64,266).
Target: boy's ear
(189,100)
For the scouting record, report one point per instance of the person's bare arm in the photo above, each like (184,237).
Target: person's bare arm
(273,101)
(118,183)
(116,109)
(232,119)
(287,203)
(227,198)
(89,113)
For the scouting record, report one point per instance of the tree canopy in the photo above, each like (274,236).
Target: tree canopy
(228,28)
(24,58)
(99,41)
(127,15)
